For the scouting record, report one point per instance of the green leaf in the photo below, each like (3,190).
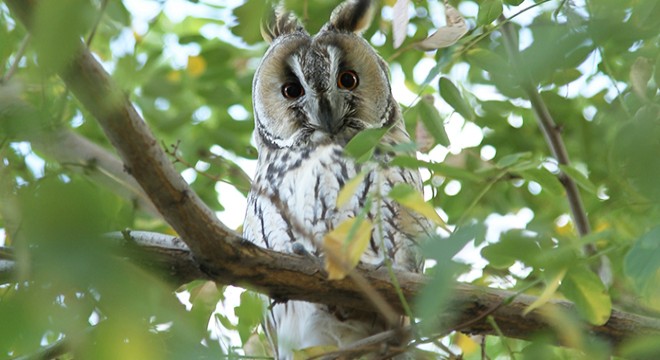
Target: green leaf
(548,181)
(432,120)
(513,159)
(436,293)
(586,290)
(442,169)
(249,17)
(579,178)
(640,74)
(452,96)
(489,10)
(513,246)
(362,145)
(488,60)
(249,314)
(642,262)
(634,152)
(58,26)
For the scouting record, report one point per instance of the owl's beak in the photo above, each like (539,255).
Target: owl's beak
(328,120)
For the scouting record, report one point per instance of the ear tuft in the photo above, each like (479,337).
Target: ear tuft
(280,23)
(352,15)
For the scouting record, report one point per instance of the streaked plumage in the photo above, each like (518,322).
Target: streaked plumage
(311,95)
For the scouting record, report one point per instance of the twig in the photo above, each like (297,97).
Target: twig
(17,59)
(493,323)
(90,38)
(52,351)
(552,134)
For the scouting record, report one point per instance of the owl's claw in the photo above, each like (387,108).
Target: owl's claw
(299,249)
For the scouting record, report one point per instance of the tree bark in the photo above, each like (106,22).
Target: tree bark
(296,277)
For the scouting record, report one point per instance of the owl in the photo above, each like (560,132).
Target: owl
(311,95)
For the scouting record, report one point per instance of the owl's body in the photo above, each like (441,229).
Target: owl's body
(311,95)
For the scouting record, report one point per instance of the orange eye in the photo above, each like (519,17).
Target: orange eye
(292,90)
(347,80)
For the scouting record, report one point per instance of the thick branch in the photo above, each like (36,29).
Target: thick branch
(142,155)
(287,276)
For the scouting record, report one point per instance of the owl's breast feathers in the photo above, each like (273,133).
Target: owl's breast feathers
(294,199)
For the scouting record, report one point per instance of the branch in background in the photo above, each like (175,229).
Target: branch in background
(142,155)
(470,304)
(83,156)
(551,132)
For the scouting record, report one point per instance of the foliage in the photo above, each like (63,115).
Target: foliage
(188,65)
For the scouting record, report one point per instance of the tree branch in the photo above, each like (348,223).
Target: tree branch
(551,132)
(299,278)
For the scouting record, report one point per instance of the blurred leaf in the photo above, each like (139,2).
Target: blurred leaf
(249,17)
(349,189)
(579,178)
(452,96)
(634,152)
(314,351)
(196,66)
(429,115)
(642,262)
(489,10)
(553,280)
(640,74)
(488,60)
(58,26)
(362,145)
(465,343)
(400,22)
(586,290)
(249,313)
(642,347)
(512,246)
(548,181)
(514,159)
(344,246)
(434,296)
(437,168)
(447,35)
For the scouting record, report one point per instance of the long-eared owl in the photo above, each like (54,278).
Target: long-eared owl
(312,94)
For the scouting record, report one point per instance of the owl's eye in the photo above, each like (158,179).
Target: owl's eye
(292,90)
(347,80)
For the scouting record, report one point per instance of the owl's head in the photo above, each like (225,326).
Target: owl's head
(316,89)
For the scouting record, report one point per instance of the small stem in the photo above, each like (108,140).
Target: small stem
(491,322)
(551,133)
(90,38)
(17,59)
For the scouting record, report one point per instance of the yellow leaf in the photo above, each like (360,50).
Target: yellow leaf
(196,65)
(550,289)
(349,189)
(413,200)
(345,245)
(306,353)
(173,76)
(467,345)
(567,326)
